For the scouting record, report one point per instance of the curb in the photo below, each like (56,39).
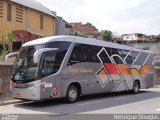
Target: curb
(156,86)
(10,102)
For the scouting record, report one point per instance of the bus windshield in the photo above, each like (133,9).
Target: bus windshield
(25,68)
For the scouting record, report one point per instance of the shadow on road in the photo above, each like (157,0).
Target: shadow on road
(89,103)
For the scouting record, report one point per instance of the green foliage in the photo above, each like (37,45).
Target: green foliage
(7,44)
(158,38)
(3,52)
(106,35)
(75,33)
(154,37)
(9,39)
(88,24)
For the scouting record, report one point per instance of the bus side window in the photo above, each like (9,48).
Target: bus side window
(93,51)
(80,53)
(46,65)
(51,62)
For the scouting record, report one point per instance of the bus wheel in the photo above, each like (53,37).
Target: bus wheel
(136,87)
(72,94)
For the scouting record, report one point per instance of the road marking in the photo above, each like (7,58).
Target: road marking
(89,103)
(158,109)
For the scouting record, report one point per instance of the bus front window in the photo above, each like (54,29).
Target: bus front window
(25,69)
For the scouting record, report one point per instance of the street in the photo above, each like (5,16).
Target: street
(147,101)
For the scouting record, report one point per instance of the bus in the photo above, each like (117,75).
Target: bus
(70,66)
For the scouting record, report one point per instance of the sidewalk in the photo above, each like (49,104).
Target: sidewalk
(156,86)
(5,100)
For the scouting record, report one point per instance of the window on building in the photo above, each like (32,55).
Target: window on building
(1,8)
(9,11)
(41,22)
(19,13)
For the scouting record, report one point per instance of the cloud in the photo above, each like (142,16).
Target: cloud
(122,16)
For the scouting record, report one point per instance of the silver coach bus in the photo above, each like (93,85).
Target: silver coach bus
(69,66)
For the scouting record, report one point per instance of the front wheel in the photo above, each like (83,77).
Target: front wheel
(136,87)
(72,94)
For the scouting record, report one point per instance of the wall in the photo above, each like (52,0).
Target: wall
(5,76)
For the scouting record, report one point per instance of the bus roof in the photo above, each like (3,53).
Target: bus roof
(82,40)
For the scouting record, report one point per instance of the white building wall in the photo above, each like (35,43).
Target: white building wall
(131,37)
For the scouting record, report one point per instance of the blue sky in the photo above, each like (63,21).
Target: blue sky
(119,16)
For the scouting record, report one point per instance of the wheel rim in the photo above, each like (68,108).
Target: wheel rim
(72,95)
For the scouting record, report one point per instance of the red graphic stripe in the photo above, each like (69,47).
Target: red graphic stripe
(110,68)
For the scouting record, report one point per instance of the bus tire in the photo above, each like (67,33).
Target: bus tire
(136,87)
(72,94)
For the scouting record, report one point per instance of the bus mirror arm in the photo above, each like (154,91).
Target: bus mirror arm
(14,54)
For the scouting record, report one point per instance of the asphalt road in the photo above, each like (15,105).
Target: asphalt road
(146,102)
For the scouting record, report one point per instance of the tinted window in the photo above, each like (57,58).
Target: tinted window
(94,52)
(104,57)
(141,58)
(52,60)
(118,52)
(61,45)
(150,59)
(114,51)
(131,57)
(84,53)
(134,54)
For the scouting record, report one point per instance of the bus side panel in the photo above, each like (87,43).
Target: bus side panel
(84,74)
(149,78)
(68,80)
(47,85)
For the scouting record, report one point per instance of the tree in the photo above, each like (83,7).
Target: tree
(158,38)
(9,40)
(76,33)
(106,35)
(88,24)
(3,52)
(6,44)
(4,49)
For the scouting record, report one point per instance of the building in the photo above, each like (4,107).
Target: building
(87,30)
(28,19)
(133,37)
(61,26)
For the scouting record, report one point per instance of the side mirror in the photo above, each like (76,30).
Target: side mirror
(14,54)
(37,55)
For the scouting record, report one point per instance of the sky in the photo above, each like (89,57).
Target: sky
(119,16)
